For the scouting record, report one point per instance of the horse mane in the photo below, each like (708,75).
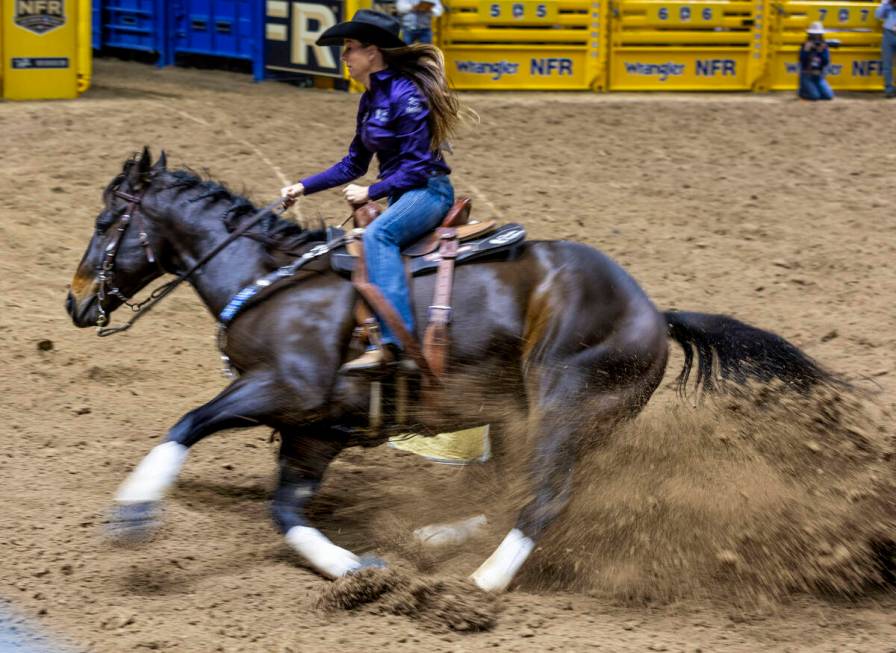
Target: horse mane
(278,235)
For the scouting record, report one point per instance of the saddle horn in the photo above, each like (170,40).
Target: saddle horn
(365,213)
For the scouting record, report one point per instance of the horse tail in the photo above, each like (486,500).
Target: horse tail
(725,348)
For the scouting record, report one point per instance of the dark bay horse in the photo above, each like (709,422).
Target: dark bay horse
(574,341)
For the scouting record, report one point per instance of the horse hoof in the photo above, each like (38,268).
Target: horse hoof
(370,561)
(133,523)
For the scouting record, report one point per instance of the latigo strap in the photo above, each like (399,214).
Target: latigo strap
(436,340)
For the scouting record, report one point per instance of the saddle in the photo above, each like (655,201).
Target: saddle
(458,217)
(456,240)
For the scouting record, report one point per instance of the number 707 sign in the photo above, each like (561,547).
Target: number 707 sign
(845,16)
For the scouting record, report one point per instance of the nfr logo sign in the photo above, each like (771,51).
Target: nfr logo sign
(712,67)
(550,65)
(867,68)
(291,29)
(39,16)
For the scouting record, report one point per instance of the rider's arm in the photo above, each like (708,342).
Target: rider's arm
(884,9)
(411,128)
(351,167)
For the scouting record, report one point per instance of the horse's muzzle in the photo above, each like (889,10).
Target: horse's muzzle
(83,315)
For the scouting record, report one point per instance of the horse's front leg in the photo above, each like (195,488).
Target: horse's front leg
(245,402)
(304,457)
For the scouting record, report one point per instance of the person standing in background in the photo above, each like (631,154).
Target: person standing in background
(886,13)
(416,19)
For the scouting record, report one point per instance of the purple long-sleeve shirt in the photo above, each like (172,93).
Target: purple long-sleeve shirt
(393,123)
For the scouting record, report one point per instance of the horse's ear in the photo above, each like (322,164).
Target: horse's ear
(161,164)
(140,170)
(145,159)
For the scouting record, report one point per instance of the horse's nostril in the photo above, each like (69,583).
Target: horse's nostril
(69,303)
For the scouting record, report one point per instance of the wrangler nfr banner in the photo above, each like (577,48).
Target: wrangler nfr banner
(532,44)
(851,26)
(660,45)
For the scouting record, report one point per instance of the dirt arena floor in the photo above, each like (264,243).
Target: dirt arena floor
(763,207)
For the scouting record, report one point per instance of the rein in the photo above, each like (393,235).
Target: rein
(107,270)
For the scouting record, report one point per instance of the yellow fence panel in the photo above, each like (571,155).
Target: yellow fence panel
(526,45)
(686,46)
(85,44)
(42,53)
(855,65)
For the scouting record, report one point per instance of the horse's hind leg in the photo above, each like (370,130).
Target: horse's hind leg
(303,461)
(243,403)
(577,400)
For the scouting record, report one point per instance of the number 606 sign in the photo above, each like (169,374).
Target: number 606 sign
(686,14)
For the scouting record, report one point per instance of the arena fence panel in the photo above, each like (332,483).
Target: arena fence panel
(85,44)
(526,45)
(97,24)
(45,49)
(627,45)
(681,45)
(855,64)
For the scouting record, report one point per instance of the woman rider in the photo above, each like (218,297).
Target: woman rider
(404,116)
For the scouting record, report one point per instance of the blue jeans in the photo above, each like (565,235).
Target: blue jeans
(815,87)
(410,216)
(887,50)
(418,35)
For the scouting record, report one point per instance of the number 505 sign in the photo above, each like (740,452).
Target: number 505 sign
(517,12)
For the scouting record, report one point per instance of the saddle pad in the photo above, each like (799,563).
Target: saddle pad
(498,241)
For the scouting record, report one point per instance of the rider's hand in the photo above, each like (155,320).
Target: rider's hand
(356,194)
(291,193)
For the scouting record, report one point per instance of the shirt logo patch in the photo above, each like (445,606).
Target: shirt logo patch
(414,105)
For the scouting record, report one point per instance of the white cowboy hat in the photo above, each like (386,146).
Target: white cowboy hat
(815,28)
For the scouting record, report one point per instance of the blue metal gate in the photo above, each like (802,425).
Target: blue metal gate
(132,25)
(220,28)
(233,29)
(96,32)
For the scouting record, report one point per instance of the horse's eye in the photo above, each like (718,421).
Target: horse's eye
(104,220)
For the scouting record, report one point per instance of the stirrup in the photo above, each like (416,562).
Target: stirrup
(372,361)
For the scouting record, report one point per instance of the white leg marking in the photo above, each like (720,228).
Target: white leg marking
(496,573)
(154,475)
(327,558)
(452,533)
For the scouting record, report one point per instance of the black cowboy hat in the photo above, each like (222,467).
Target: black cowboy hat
(371,27)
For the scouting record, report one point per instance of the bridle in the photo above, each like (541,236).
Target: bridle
(105,276)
